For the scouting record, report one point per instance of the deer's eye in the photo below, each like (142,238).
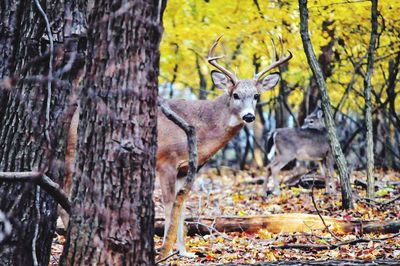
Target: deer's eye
(236,96)
(256,97)
(311,121)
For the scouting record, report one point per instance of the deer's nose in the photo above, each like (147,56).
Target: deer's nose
(249,118)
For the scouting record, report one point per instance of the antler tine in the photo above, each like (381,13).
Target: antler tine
(283,59)
(281,41)
(213,61)
(273,51)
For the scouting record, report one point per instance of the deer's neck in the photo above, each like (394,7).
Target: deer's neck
(219,126)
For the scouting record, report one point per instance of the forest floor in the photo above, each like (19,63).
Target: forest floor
(228,192)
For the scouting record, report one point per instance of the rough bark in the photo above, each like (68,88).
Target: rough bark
(113,213)
(310,99)
(23,145)
(347,201)
(281,113)
(395,122)
(10,17)
(367,97)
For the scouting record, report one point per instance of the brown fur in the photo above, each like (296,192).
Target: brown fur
(308,143)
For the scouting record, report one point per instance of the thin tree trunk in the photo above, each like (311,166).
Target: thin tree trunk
(113,213)
(24,145)
(312,94)
(393,124)
(281,113)
(347,201)
(367,96)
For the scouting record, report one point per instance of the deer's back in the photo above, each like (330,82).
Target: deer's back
(302,143)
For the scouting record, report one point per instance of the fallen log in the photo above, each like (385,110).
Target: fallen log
(277,223)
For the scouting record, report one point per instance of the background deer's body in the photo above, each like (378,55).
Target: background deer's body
(308,143)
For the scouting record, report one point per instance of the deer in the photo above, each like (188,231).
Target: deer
(307,143)
(216,122)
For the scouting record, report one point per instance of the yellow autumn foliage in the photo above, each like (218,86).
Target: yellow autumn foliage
(247,26)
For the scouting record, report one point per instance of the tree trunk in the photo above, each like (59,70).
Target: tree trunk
(281,113)
(347,201)
(312,94)
(9,19)
(394,123)
(23,142)
(113,213)
(367,96)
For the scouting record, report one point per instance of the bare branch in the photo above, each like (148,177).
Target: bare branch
(167,257)
(50,74)
(43,181)
(319,214)
(191,173)
(333,246)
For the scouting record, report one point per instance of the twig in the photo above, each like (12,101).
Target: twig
(378,203)
(389,201)
(319,214)
(50,74)
(211,228)
(36,233)
(333,246)
(44,182)
(167,257)
(6,226)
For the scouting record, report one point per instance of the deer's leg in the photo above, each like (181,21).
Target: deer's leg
(167,182)
(328,164)
(180,243)
(266,180)
(275,171)
(167,212)
(322,168)
(272,170)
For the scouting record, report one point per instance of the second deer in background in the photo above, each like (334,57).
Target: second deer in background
(308,143)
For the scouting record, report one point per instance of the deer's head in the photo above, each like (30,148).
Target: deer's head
(244,93)
(314,120)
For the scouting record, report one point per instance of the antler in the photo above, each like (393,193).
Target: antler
(213,61)
(283,59)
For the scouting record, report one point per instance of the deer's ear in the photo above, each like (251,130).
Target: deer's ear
(221,81)
(268,82)
(320,113)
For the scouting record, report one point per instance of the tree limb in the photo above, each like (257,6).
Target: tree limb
(184,192)
(41,180)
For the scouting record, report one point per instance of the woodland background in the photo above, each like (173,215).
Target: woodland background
(340,32)
(56,55)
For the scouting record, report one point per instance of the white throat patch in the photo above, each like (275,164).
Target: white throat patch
(234,121)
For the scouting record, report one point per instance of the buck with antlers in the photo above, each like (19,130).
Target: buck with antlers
(308,143)
(216,122)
